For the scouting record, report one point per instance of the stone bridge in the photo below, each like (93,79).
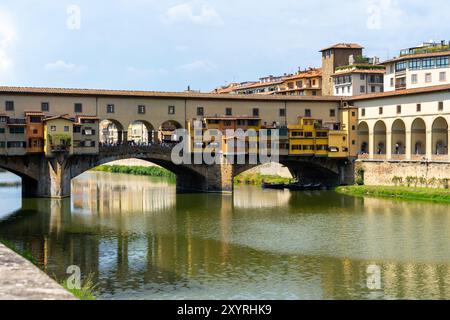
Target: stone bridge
(51,177)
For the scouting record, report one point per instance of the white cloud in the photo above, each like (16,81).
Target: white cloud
(62,66)
(199,65)
(207,15)
(8,37)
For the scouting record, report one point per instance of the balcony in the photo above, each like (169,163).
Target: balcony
(441,158)
(17,121)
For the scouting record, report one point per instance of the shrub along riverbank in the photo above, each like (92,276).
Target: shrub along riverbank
(258,179)
(137,170)
(245,178)
(407,193)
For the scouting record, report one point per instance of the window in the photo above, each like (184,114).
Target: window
(441,106)
(442,62)
(392,82)
(428,78)
(2,144)
(35,131)
(399,109)
(110,108)
(363,112)
(2,130)
(88,132)
(308,113)
(16,144)
(282,112)
(400,66)
(45,107)
(362,89)
(53,128)
(228,111)
(78,107)
(17,130)
(314,93)
(141,109)
(428,63)
(353,114)
(171,109)
(77,129)
(373,89)
(332,113)
(9,105)
(419,107)
(414,78)
(442,76)
(255,112)
(200,111)
(380,110)
(3,119)
(362,77)
(66,129)
(35,119)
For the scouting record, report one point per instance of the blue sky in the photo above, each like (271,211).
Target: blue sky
(168,45)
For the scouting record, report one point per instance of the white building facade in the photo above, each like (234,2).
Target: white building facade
(424,66)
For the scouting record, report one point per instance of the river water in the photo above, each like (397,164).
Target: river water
(139,240)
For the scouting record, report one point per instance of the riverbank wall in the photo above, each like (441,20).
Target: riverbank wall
(21,280)
(403,173)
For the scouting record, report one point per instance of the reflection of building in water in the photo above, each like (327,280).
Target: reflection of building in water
(108,196)
(254,198)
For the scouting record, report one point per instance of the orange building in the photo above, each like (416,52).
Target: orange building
(34,132)
(304,83)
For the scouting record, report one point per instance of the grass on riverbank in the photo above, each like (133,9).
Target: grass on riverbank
(406,193)
(137,170)
(258,179)
(87,290)
(14,184)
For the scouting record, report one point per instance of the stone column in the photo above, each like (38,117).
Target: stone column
(371,143)
(125,137)
(429,149)
(388,145)
(408,147)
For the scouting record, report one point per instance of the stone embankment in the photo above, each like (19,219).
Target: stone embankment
(21,280)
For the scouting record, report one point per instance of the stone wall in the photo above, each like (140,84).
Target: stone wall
(405,173)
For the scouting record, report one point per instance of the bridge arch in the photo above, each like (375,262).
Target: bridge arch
(440,136)
(379,137)
(28,175)
(418,137)
(142,132)
(111,132)
(398,137)
(167,129)
(363,137)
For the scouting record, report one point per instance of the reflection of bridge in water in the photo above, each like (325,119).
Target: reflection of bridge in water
(191,245)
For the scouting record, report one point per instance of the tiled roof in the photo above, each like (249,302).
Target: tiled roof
(389,94)
(348,71)
(344,46)
(148,94)
(65,117)
(419,55)
(306,74)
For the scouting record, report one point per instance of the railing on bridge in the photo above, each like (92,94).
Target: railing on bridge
(130,149)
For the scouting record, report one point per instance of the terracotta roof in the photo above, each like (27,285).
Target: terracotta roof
(65,117)
(149,94)
(306,74)
(344,46)
(431,89)
(417,56)
(371,71)
(232,118)
(259,85)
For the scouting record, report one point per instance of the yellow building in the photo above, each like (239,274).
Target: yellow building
(312,137)
(58,134)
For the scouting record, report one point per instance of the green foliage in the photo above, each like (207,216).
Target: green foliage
(87,290)
(398,181)
(407,193)
(259,179)
(137,170)
(24,253)
(362,67)
(359,179)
